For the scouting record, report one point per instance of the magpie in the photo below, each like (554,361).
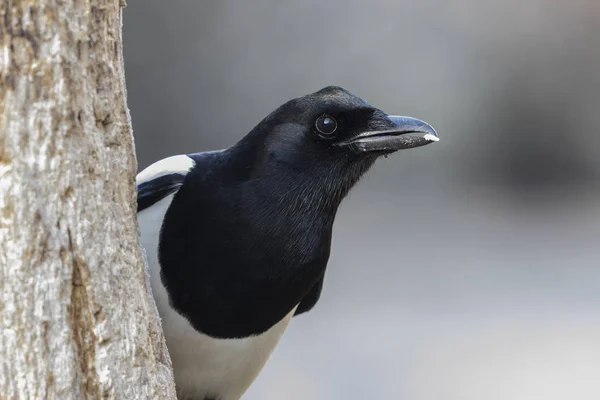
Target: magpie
(237,240)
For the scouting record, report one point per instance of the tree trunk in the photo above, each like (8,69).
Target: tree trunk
(76,318)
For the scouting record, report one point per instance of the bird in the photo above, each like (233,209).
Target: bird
(237,240)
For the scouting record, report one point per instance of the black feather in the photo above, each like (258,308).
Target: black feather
(157,189)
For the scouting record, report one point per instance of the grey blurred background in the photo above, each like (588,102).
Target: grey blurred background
(464,270)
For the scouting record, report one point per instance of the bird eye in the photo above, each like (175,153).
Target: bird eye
(325,125)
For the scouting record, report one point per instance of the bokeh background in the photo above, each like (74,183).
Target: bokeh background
(464,270)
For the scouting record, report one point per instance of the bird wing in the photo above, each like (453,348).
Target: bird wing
(161,179)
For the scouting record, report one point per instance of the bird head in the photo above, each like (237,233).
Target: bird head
(330,137)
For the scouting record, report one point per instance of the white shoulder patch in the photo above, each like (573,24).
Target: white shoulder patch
(180,164)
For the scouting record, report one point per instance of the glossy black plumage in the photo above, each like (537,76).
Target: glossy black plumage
(157,189)
(247,235)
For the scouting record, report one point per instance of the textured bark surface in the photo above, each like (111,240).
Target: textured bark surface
(76,319)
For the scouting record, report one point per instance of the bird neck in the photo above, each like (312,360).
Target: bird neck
(294,180)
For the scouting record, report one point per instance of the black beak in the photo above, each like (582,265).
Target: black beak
(406,133)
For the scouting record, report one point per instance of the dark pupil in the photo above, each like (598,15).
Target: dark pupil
(326,125)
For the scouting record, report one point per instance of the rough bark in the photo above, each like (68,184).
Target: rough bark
(76,319)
